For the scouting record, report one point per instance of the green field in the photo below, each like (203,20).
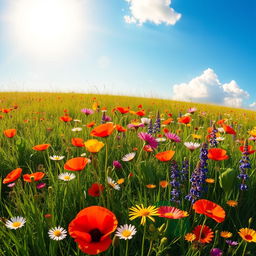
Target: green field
(51,202)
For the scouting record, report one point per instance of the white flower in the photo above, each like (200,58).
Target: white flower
(66,176)
(145,120)
(187,114)
(83,154)
(77,129)
(220,139)
(128,157)
(221,130)
(113,184)
(56,158)
(126,231)
(191,145)
(57,233)
(77,120)
(15,222)
(160,139)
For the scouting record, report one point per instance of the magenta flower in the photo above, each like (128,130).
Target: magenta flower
(192,110)
(135,125)
(87,111)
(152,142)
(216,252)
(173,137)
(40,185)
(117,164)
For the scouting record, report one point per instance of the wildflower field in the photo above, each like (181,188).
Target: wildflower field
(115,175)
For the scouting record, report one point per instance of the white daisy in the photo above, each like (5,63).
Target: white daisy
(128,157)
(66,176)
(83,154)
(77,129)
(187,114)
(113,184)
(192,145)
(221,130)
(56,158)
(126,231)
(57,233)
(145,120)
(160,139)
(77,120)
(220,139)
(15,222)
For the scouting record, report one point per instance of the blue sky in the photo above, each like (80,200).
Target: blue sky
(206,55)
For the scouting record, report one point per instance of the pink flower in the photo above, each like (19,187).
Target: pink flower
(173,137)
(87,111)
(152,142)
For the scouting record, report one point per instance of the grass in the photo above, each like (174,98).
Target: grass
(37,121)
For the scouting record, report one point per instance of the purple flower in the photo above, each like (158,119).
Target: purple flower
(231,243)
(117,164)
(213,141)
(216,252)
(87,111)
(173,137)
(192,110)
(243,167)
(157,124)
(175,182)
(152,142)
(40,185)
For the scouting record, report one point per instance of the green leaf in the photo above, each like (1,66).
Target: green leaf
(227,179)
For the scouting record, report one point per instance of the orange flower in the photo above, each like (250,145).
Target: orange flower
(103,130)
(163,183)
(123,110)
(165,156)
(222,121)
(228,129)
(210,209)
(76,164)
(93,146)
(41,147)
(151,186)
(9,133)
(91,124)
(203,234)
(148,148)
(120,128)
(217,154)
(66,118)
(184,119)
(77,142)
(92,228)
(33,177)
(168,121)
(12,176)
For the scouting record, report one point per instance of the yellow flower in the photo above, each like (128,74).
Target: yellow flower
(196,136)
(190,237)
(150,186)
(120,181)
(253,132)
(226,234)
(144,213)
(93,146)
(210,180)
(232,203)
(247,234)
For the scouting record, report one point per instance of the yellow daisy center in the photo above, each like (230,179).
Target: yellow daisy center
(16,224)
(57,233)
(67,177)
(126,233)
(144,212)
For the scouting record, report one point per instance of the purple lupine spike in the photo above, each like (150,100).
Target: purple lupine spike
(213,141)
(150,127)
(157,124)
(175,182)
(184,171)
(244,166)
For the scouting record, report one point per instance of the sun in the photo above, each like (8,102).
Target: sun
(46,28)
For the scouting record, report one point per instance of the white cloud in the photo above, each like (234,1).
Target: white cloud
(207,88)
(155,11)
(253,105)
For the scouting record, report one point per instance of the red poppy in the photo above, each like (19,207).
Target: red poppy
(66,118)
(76,164)
(92,228)
(148,148)
(249,149)
(6,110)
(9,133)
(184,119)
(168,121)
(120,128)
(165,156)
(140,106)
(95,189)
(222,121)
(33,177)
(12,176)
(103,130)
(165,130)
(204,234)
(141,113)
(123,110)
(41,147)
(228,129)
(77,142)
(217,154)
(91,124)
(210,209)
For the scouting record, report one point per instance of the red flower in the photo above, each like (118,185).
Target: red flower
(76,164)
(123,110)
(165,156)
(66,118)
(33,177)
(249,149)
(91,124)
(217,154)
(77,142)
(41,147)
(184,119)
(103,130)
(95,189)
(141,113)
(9,133)
(228,129)
(12,176)
(92,228)
(210,209)
(120,128)
(203,234)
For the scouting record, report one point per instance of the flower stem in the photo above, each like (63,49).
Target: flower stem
(143,240)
